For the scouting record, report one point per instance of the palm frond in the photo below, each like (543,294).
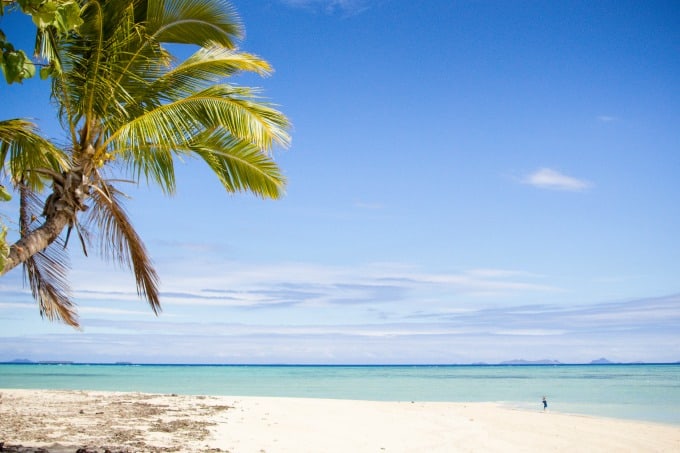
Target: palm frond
(205,67)
(225,106)
(119,241)
(96,63)
(22,149)
(154,163)
(95,60)
(196,22)
(239,165)
(46,271)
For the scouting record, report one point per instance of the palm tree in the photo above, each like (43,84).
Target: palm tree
(128,109)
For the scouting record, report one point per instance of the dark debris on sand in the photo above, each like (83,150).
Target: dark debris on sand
(57,448)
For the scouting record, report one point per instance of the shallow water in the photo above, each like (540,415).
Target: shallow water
(642,392)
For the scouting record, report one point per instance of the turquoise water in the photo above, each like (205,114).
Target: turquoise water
(642,392)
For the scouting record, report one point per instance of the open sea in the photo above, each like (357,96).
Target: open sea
(640,392)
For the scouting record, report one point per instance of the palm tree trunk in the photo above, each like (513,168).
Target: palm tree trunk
(36,241)
(69,192)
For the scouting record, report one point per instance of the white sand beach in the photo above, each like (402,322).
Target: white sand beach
(63,421)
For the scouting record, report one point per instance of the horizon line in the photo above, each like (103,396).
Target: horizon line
(504,363)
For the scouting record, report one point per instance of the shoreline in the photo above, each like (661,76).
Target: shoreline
(65,420)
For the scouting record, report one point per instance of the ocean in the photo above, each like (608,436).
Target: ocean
(639,392)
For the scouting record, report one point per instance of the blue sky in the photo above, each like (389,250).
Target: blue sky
(469,181)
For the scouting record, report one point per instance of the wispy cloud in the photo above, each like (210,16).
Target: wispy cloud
(238,285)
(382,312)
(111,311)
(570,333)
(345,7)
(547,178)
(531,332)
(359,293)
(606,118)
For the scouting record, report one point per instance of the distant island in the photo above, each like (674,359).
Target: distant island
(601,361)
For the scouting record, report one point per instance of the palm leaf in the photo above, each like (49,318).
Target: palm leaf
(23,150)
(205,67)
(119,241)
(219,106)
(94,16)
(239,165)
(46,271)
(154,163)
(196,22)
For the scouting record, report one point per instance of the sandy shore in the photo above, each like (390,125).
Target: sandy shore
(63,421)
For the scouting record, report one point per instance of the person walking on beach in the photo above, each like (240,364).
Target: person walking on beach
(545,404)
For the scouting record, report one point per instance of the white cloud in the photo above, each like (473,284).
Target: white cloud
(349,7)
(546,178)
